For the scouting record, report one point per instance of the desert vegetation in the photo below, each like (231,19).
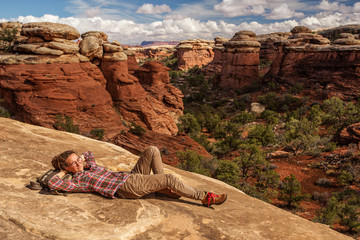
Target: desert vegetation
(242,142)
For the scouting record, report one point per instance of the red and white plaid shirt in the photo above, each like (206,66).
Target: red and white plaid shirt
(93,179)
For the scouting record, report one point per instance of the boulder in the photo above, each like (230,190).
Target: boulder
(96,34)
(114,57)
(47,51)
(49,31)
(350,134)
(300,29)
(26,152)
(91,47)
(257,108)
(110,48)
(70,48)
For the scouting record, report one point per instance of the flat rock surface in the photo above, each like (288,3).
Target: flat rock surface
(26,151)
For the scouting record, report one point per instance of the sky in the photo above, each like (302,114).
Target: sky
(134,21)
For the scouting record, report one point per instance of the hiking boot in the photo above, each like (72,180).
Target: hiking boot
(212,198)
(166,192)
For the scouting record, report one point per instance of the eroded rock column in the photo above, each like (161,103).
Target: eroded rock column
(240,61)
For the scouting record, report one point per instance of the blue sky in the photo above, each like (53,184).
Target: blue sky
(135,21)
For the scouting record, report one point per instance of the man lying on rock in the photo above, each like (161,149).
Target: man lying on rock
(89,177)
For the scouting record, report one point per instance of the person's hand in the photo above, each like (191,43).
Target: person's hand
(62,173)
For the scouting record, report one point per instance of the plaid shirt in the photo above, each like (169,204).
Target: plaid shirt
(93,179)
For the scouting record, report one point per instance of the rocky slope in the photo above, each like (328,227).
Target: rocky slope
(26,152)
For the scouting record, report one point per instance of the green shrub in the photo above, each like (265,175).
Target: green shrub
(63,122)
(98,133)
(4,113)
(297,88)
(193,162)
(243,117)
(251,161)
(8,35)
(349,215)
(136,129)
(291,191)
(329,214)
(228,171)
(262,134)
(345,178)
(188,124)
(270,116)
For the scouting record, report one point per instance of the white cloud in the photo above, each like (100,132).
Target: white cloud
(234,8)
(148,8)
(181,28)
(283,12)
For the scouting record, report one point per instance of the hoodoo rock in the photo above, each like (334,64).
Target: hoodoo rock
(324,69)
(194,52)
(145,108)
(241,61)
(49,31)
(26,152)
(91,47)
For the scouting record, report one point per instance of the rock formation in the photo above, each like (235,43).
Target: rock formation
(26,152)
(268,50)
(334,33)
(143,54)
(194,52)
(214,67)
(324,69)
(64,70)
(240,64)
(39,95)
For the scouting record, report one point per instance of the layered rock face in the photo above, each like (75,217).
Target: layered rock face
(240,64)
(194,52)
(73,82)
(154,108)
(26,152)
(268,50)
(324,69)
(154,52)
(39,93)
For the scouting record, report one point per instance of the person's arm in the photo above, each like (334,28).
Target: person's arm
(89,159)
(57,183)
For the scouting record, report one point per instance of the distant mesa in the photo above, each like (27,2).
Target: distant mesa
(158,43)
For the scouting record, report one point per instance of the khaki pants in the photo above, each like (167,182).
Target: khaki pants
(141,182)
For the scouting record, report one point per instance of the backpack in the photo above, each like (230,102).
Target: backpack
(41,183)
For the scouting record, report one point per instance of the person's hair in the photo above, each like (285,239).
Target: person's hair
(59,161)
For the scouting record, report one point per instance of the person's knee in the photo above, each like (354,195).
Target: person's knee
(171,179)
(152,149)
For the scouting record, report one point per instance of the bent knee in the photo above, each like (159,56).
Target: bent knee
(152,149)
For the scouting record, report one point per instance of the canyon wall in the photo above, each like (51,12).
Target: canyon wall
(325,69)
(194,52)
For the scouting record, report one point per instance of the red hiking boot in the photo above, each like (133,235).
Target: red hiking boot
(212,198)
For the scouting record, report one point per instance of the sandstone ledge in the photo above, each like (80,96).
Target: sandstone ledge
(15,59)
(26,151)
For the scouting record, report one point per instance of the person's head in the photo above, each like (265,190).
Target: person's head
(68,161)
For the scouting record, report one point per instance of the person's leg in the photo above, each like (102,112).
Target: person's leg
(149,160)
(139,185)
